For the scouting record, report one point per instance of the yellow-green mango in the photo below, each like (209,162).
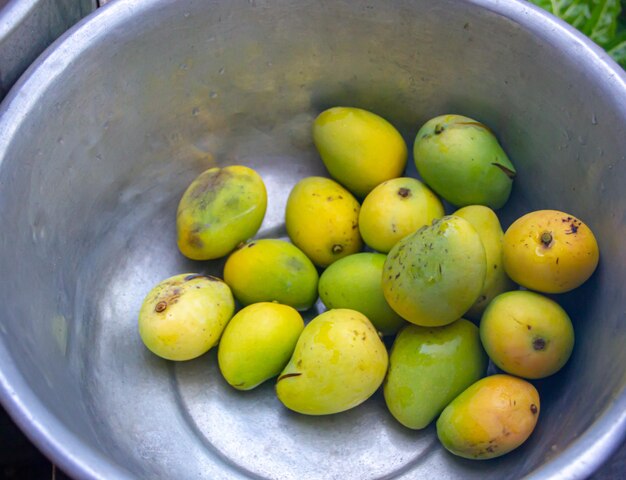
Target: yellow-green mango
(220,209)
(338,363)
(396,208)
(527,334)
(183,316)
(322,219)
(272,270)
(354,282)
(492,417)
(487,224)
(359,149)
(433,276)
(461,160)
(429,367)
(257,343)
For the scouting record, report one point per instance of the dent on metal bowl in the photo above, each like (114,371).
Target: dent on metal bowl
(102,136)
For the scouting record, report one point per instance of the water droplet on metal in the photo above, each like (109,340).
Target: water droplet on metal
(213,94)
(221,71)
(195,111)
(594,120)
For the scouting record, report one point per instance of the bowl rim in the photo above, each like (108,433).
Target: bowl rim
(76,458)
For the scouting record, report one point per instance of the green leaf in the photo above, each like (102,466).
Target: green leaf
(603,21)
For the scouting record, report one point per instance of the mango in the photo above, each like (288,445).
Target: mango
(527,334)
(487,224)
(490,418)
(550,251)
(359,149)
(433,276)
(183,316)
(220,209)
(394,209)
(272,270)
(322,219)
(338,363)
(462,161)
(429,367)
(354,282)
(257,343)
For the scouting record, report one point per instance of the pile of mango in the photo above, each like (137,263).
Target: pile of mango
(386,260)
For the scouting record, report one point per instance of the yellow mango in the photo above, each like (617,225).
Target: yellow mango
(322,219)
(490,418)
(359,149)
(183,316)
(338,363)
(220,209)
(487,225)
(257,343)
(396,208)
(269,270)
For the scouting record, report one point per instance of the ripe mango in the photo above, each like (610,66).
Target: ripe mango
(550,251)
(487,224)
(183,316)
(396,208)
(272,270)
(220,209)
(433,276)
(492,417)
(322,219)
(354,282)
(429,367)
(527,334)
(359,148)
(462,161)
(257,343)
(338,363)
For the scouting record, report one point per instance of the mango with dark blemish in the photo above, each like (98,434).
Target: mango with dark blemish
(461,160)
(322,219)
(487,224)
(338,363)
(183,316)
(359,149)
(527,334)
(433,276)
(220,209)
(257,343)
(396,208)
(550,251)
(490,418)
(354,282)
(429,367)
(272,270)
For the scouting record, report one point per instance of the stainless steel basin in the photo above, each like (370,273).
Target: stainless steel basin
(27,27)
(98,143)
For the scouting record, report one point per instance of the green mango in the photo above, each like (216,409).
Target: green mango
(338,363)
(220,209)
(486,223)
(429,367)
(433,276)
(183,316)
(270,270)
(355,282)
(490,418)
(257,343)
(462,161)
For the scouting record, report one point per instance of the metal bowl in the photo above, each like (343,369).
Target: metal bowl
(27,27)
(101,137)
